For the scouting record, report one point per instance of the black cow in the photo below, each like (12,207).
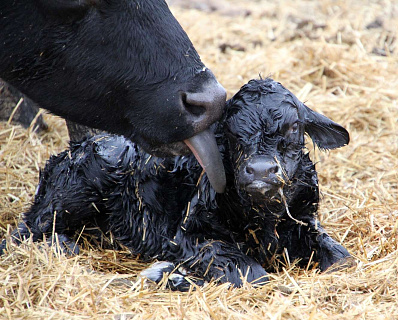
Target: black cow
(165,208)
(20,109)
(126,67)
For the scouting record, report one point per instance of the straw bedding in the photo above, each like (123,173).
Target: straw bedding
(341,57)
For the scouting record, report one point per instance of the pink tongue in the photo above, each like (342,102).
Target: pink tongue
(205,150)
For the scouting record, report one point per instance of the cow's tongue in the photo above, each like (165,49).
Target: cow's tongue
(205,149)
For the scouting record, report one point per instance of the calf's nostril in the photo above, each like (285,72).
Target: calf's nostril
(274,169)
(249,170)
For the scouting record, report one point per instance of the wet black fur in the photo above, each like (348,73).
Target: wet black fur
(164,208)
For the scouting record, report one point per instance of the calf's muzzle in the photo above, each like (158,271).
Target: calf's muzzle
(260,176)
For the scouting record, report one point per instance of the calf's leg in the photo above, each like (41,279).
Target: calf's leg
(22,233)
(210,260)
(311,240)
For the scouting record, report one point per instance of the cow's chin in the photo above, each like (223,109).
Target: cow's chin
(169,150)
(205,149)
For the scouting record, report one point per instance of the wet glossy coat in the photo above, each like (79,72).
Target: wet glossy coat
(165,208)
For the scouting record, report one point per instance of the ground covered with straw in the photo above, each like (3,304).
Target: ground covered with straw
(341,57)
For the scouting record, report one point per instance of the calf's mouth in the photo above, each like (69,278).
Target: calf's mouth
(263,191)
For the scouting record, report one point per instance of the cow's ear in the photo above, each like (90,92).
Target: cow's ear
(65,6)
(325,133)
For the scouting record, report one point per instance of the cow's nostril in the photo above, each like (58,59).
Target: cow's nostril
(194,109)
(204,103)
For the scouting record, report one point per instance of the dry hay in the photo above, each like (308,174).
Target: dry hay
(343,62)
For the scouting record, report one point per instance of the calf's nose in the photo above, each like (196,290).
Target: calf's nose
(260,177)
(261,169)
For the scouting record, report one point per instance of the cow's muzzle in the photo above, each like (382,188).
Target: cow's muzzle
(204,102)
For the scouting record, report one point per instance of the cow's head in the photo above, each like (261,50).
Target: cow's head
(265,126)
(123,66)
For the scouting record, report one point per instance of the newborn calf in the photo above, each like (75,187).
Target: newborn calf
(165,208)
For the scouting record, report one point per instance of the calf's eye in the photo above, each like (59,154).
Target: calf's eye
(294,128)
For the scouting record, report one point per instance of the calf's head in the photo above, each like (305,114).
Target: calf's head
(123,66)
(265,126)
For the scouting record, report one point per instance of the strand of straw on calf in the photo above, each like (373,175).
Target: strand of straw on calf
(323,52)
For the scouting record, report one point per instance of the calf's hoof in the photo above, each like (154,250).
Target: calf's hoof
(63,244)
(3,247)
(177,278)
(247,271)
(345,263)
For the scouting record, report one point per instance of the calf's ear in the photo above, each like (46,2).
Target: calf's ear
(325,133)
